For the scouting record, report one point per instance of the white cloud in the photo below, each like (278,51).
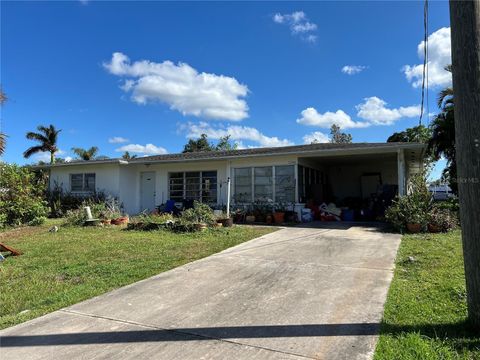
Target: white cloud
(316,137)
(183,88)
(148,149)
(299,25)
(68,159)
(312,117)
(353,69)
(236,132)
(439,55)
(117,140)
(45,155)
(374,110)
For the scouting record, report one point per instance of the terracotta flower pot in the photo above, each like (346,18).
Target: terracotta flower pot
(434,228)
(200,227)
(414,228)
(120,221)
(106,221)
(279,217)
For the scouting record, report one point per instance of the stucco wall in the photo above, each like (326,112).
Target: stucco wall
(345,179)
(106,176)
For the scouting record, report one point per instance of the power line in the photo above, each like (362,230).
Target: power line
(425,63)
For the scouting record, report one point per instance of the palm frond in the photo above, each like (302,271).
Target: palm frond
(33,150)
(36,136)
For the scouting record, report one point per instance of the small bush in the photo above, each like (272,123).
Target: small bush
(445,219)
(412,208)
(199,214)
(77,217)
(151,222)
(60,201)
(21,196)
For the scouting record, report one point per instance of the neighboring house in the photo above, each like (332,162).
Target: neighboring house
(292,174)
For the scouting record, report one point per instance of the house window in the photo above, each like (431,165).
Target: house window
(285,183)
(263,184)
(243,185)
(82,182)
(193,185)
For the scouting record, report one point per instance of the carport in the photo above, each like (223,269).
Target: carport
(364,180)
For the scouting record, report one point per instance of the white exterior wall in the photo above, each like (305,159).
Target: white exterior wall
(106,177)
(123,180)
(129,188)
(345,179)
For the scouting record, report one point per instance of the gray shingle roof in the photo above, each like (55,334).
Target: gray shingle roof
(270,151)
(216,155)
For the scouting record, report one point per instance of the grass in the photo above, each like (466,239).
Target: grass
(425,313)
(74,264)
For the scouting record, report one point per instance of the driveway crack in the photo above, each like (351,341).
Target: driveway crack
(176,331)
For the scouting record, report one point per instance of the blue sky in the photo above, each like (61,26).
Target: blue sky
(148,75)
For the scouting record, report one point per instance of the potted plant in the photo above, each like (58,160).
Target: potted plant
(279,214)
(441,220)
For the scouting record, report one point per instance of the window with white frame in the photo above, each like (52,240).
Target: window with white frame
(264,184)
(82,182)
(284,183)
(242,185)
(193,185)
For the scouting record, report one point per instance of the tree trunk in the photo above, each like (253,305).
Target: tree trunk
(52,157)
(465,30)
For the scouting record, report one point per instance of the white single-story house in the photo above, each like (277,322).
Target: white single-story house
(291,174)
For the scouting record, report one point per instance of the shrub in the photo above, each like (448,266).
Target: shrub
(61,201)
(412,208)
(151,222)
(199,214)
(21,196)
(78,216)
(445,219)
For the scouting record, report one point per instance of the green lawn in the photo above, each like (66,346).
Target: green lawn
(425,313)
(60,269)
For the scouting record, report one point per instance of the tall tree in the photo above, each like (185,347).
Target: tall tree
(3,137)
(200,144)
(465,34)
(442,140)
(419,133)
(339,137)
(86,154)
(224,144)
(126,156)
(47,137)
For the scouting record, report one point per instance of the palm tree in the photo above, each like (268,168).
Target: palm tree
(47,137)
(126,156)
(86,154)
(442,141)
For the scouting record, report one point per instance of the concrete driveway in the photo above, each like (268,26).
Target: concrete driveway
(296,293)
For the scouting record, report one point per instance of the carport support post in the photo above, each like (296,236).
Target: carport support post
(465,34)
(228,197)
(401,172)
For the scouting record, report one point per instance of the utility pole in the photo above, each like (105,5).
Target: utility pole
(465,34)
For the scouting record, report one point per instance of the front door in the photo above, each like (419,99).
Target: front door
(147,191)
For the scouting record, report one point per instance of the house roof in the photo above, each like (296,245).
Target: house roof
(312,149)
